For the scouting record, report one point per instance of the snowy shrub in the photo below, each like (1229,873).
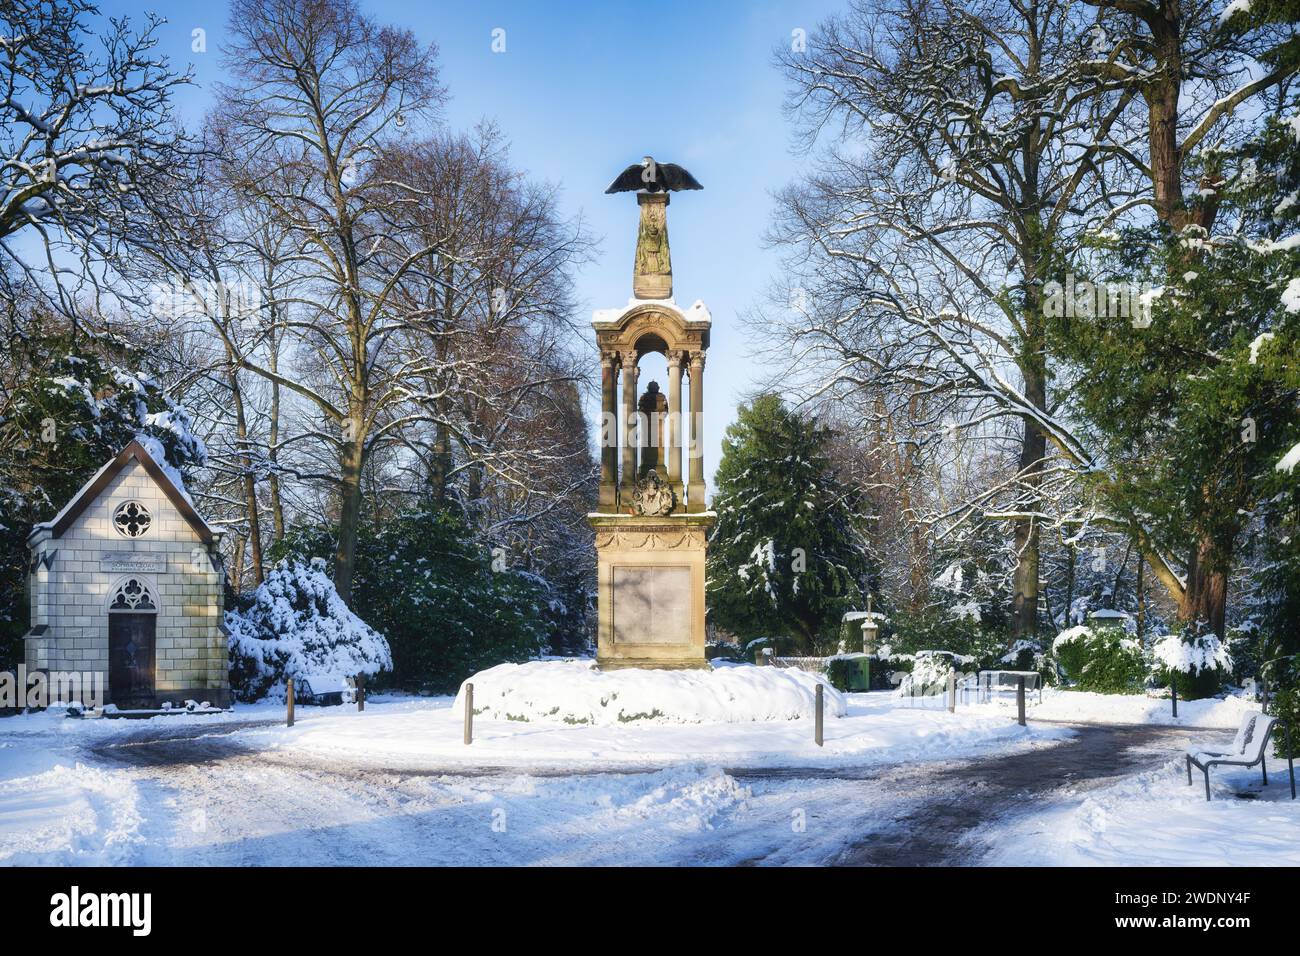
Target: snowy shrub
(1283,676)
(296,624)
(722,647)
(1101,659)
(1027,655)
(929,674)
(889,668)
(1195,665)
(911,632)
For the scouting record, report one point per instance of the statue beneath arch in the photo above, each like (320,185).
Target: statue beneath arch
(652,523)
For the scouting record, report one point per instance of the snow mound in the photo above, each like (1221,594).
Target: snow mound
(1077,706)
(575,692)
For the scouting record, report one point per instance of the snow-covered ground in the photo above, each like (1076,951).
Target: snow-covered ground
(877,727)
(1156,819)
(1074,706)
(396,785)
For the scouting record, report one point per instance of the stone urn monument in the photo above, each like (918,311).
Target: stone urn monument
(651,524)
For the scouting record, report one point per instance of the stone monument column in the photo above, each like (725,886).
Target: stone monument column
(628,478)
(652,275)
(695,487)
(675,359)
(608,431)
(650,552)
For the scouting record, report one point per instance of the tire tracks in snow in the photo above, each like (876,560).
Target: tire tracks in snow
(234,804)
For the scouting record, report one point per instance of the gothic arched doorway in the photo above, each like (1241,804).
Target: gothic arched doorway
(132,632)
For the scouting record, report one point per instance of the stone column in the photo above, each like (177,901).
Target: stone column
(675,359)
(608,432)
(652,274)
(627,481)
(695,488)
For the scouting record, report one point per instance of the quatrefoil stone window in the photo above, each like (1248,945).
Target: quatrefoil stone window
(131,519)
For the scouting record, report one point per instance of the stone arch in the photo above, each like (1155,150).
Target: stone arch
(133,594)
(650,341)
(625,337)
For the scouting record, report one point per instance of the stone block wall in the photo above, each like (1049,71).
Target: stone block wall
(91,560)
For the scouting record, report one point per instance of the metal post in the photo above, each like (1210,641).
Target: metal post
(952,691)
(1020,700)
(361,692)
(469,714)
(289,700)
(1173,693)
(818,729)
(1290,761)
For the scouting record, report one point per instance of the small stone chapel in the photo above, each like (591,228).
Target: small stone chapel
(126,581)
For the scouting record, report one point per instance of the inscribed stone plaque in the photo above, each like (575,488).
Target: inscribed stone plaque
(130,561)
(652,605)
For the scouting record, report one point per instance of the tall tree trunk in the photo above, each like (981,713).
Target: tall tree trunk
(237,566)
(273,451)
(1141,597)
(440,467)
(248,478)
(1033,451)
(345,554)
(1069,583)
(1206,596)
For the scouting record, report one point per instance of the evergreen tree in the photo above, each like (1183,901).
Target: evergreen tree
(447,606)
(1195,409)
(786,557)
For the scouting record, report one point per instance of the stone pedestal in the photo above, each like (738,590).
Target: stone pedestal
(650,589)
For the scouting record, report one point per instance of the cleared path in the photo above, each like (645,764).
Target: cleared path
(235,805)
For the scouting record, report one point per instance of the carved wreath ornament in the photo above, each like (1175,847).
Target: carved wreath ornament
(131,519)
(652,496)
(643,539)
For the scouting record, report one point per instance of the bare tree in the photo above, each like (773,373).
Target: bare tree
(967,169)
(88,148)
(317,91)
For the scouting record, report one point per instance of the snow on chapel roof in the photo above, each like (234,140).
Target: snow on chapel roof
(164,476)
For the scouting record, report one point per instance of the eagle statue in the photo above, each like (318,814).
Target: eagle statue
(652,177)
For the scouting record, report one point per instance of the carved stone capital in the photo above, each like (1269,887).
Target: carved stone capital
(676,358)
(697,360)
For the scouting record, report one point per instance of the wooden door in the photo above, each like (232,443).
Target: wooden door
(131,659)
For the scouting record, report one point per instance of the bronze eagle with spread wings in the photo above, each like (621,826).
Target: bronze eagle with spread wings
(653,177)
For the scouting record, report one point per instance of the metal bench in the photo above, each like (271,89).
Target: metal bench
(1249,747)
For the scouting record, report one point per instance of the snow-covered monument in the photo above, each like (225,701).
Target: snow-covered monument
(126,581)
(651,524)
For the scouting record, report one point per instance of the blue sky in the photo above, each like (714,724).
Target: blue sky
(585,88)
